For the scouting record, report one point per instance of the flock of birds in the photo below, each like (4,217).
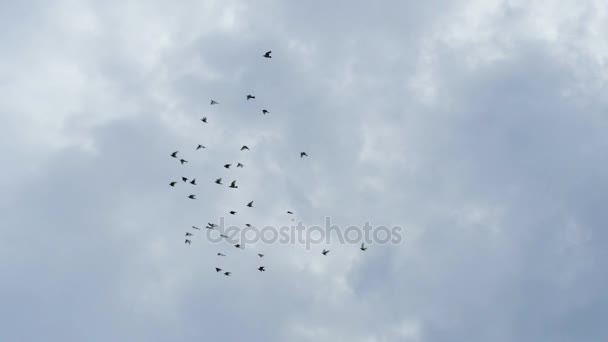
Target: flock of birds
(233,185)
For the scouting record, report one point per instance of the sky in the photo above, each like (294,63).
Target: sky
(476,126)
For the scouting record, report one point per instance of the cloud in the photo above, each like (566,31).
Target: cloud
(477,127)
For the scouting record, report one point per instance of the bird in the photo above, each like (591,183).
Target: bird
(174,154)
(188,241)
(238,245)
(193,181)
(232,212)
(183,161)
(267,54)
(264,111)
(188,234)
(218,181)
(227,166)
(172,183)
(260,255)
(192,197)
(217,269)
(250,204)
(233,185)
(211,224)
(184,179)
(220,254)
(289,212)
(247,224)
(209,227)
(303,154)
(227,274)
(213,102)
(204,119)
(325,251)
(199,147)
(261,269)
(239,165)
(249,97)
(363,248)
(244,148)
(195,227)
(224,236)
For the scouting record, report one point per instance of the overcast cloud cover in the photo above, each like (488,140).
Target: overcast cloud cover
(479,126)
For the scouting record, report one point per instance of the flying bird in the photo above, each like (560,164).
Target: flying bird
(188,234)
(209,227)
(303,154)
(172,183)
(233,185)
(325,251)
(264,111)
(239,165)
(213,102)
(218,181)
(220,254)
(267,54)
(247,224)
(289,212)
(260,255)
(174,154)
(217,269)
(249,97)
(261,269)
(238,245)
(193,182)
(184,179)
(227,274)
(224,236)
(183,161)
(363,248)
(195,227)
(244,148)
(227,166)
(211,224)
(192,197)
(204,119)
(250,204)
(199,147)
(232,212)
(188,241)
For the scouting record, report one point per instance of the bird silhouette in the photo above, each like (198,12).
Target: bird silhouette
(213,102)
(303,154)
(250,97)
(363,248)
(217,269)
(199,147)
(238,245)
(264,111)
(267,54)
(188,241)
(261,269)
(260,255)
(227,166)
(188,234)
(195,227)
(220,254)
(209,227)
(247,224)
(172,183)
(174,154)
(192,197)
(232,212)
(325,251)
(204,119)
(289,212)
(227,274)
(218,181)
(224,236)
(193,181)
(183,161)
(211,224)
(239,165)
(184,179)
(250,204)
(244,148)
(233,185)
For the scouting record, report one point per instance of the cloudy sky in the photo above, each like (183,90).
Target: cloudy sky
(478,126)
